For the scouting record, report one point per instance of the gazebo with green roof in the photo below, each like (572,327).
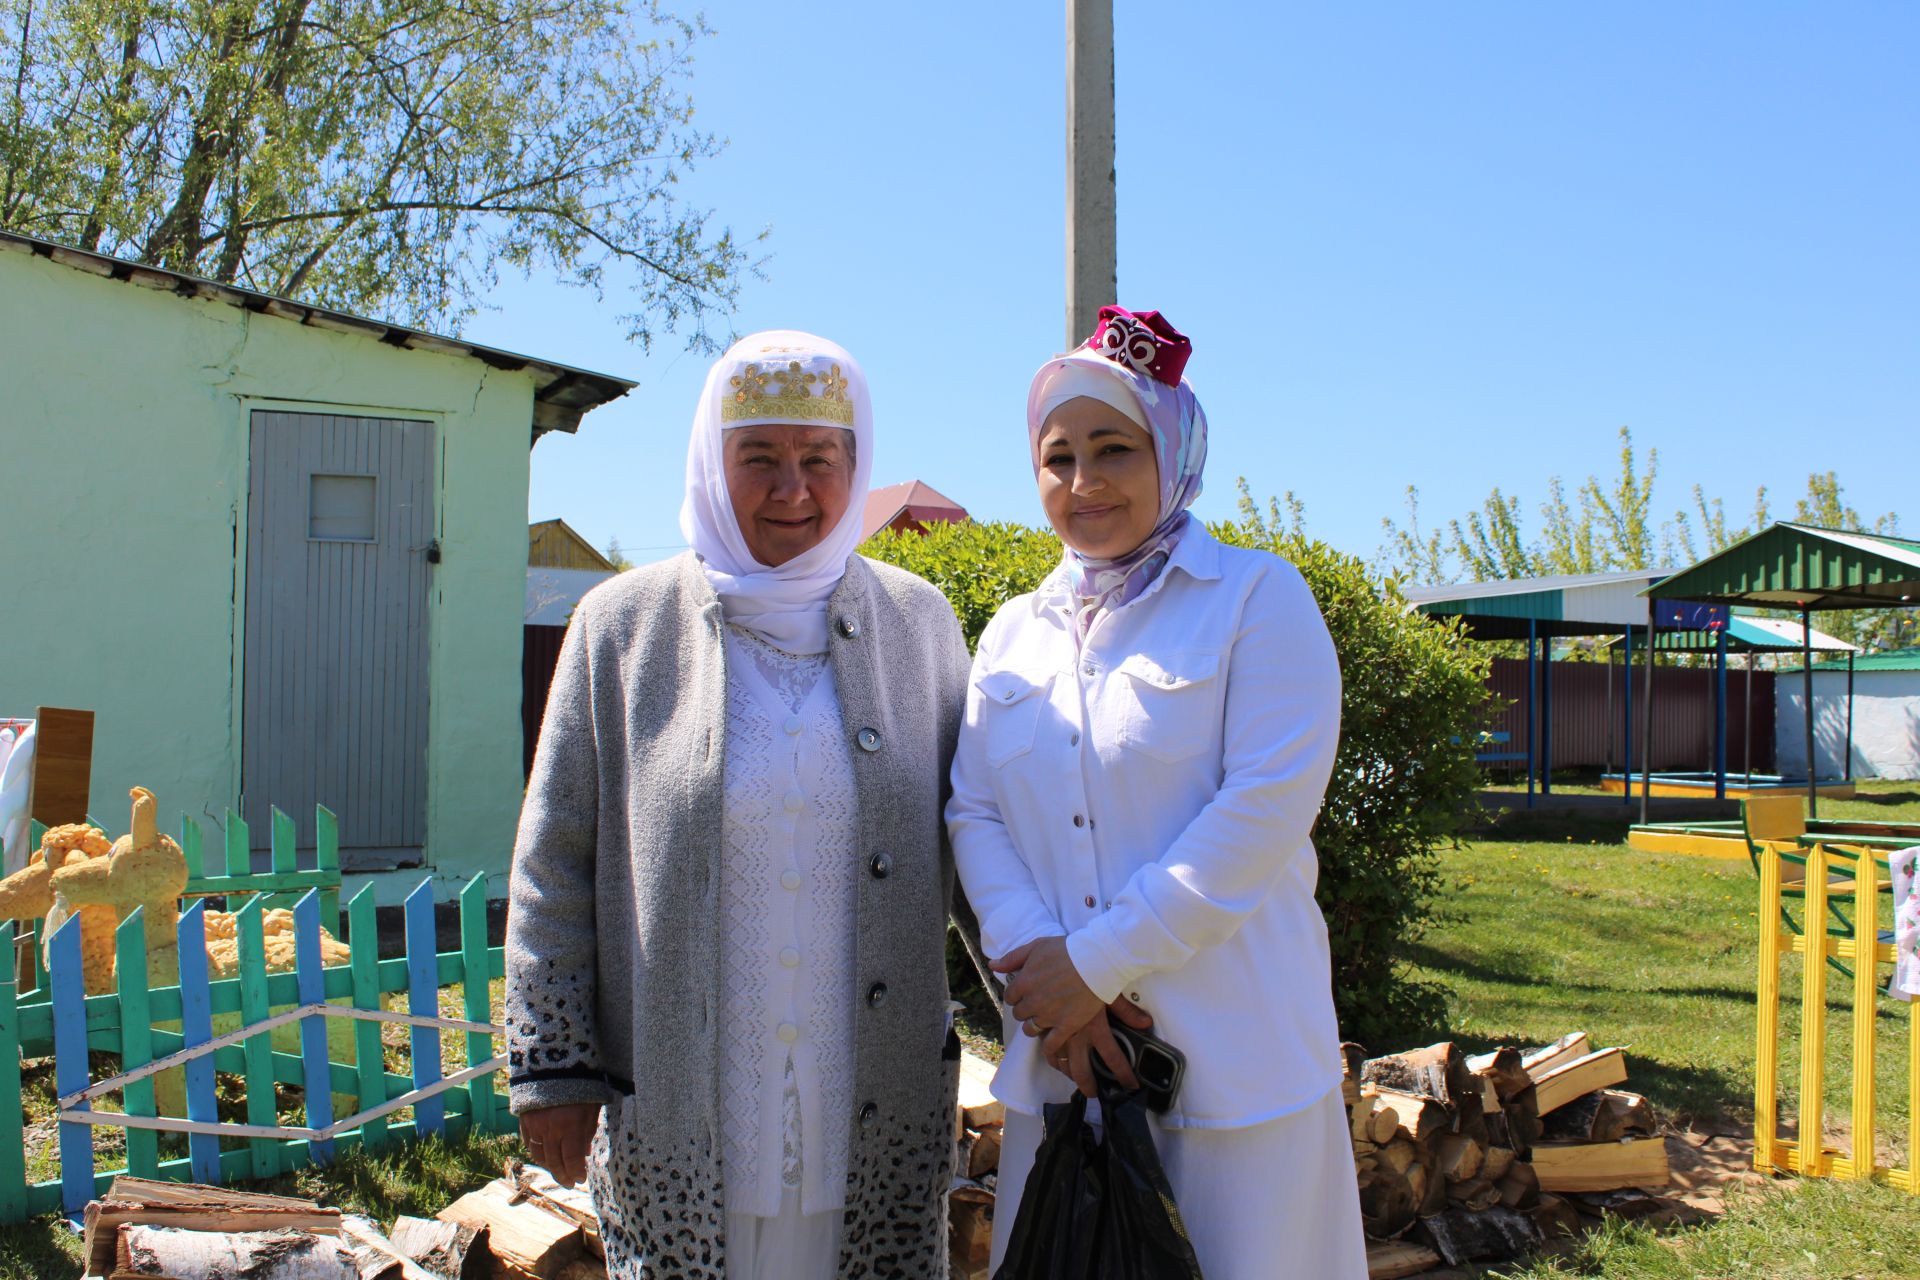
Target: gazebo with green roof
(1805,568)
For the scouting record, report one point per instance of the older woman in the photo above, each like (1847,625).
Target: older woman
(730,887)
(1147,740)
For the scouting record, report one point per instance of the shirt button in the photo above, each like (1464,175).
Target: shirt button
(1079,819)
(795,802)
(792,726)
(787,1033)
(869,739)
(881,866)
(1087,670)
(789,879)
(790,957)
(1089,899)
(1074,741)
(876,994)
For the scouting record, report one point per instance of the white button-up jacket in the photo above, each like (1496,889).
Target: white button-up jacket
(1149,796)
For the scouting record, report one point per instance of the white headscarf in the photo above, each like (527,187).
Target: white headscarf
(779,376)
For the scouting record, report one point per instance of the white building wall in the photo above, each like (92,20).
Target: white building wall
(1886,723)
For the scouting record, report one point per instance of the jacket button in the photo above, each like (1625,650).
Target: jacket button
(877,994)
(881,866)
(869,1115)
(849,627)
(869,739)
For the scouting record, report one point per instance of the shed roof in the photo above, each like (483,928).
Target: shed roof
(1802,566)
(1583,604)
(1745,635)
(1888,660)
(913,497)
(562,394)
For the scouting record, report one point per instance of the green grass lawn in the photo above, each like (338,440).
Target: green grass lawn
(1566,929)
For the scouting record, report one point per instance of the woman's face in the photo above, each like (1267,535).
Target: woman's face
(789,485)
(1099,479)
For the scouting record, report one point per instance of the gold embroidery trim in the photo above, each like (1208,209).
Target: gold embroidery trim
(801,408)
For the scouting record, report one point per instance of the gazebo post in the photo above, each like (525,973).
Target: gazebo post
(1646,730)
(1626,744)
(1531,739)
(1546,715)
(1847,770)
(1746,749)
(1720,716)
(1607,767)
(1806,679)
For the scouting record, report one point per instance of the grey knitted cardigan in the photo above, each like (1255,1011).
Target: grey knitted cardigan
(613,931)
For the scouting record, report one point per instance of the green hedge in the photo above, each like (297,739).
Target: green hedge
(1413,693)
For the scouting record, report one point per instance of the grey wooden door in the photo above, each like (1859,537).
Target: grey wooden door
(339,521)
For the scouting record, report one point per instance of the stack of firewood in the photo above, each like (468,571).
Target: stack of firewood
(1474,1157)
(976,1168)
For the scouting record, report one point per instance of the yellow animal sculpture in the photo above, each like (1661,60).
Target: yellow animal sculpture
(75,871)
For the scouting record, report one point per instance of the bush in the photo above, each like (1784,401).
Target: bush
(1414,698)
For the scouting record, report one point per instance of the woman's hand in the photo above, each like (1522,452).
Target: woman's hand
(1046,993)
(1074,1057)
(557,1139)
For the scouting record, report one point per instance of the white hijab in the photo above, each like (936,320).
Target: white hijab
(779,376)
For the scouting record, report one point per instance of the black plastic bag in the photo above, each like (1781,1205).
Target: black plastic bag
(1098,1207)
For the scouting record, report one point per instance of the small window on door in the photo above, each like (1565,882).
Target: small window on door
(340,508)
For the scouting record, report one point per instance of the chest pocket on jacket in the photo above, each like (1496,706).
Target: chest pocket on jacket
(1010,706)
(1169,705)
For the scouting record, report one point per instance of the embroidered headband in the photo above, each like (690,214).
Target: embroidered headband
(812,388)
(1143,342)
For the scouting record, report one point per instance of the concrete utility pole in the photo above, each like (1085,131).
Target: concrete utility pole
(1092,278)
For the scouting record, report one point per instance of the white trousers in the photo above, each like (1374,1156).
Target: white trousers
(1273,1201)
(791,1246)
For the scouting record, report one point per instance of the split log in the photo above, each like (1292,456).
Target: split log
(983,1154)
(1523,1120)
(379,1256)
(519,1234)
(1504,1069)
(1475,1196)
(1555,1217)
(1416,1118)
(1601,1166)
(1606,1116)
(142,1250)
(1519,1186)
(1387,1205)
(1351,1058)
(978,1107)
(444,1248)
(1499,1160)
(970,1228)
(533,1184)
(1601,1069)
(1392,1260)
(1460,1157)
(1538,1062)
(1497,1233)
(1438,1071)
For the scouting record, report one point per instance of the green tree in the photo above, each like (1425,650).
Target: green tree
(615,556)
(1825,506)
(1623,510)
(1414,556)
(1490,544)
(389,157)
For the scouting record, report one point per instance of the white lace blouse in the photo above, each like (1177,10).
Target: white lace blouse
(787,921)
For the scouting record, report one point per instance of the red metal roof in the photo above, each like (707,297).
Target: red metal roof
(913,498)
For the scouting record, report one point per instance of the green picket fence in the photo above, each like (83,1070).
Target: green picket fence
(144,1025)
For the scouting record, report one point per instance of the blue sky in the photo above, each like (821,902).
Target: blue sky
(1455,245)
